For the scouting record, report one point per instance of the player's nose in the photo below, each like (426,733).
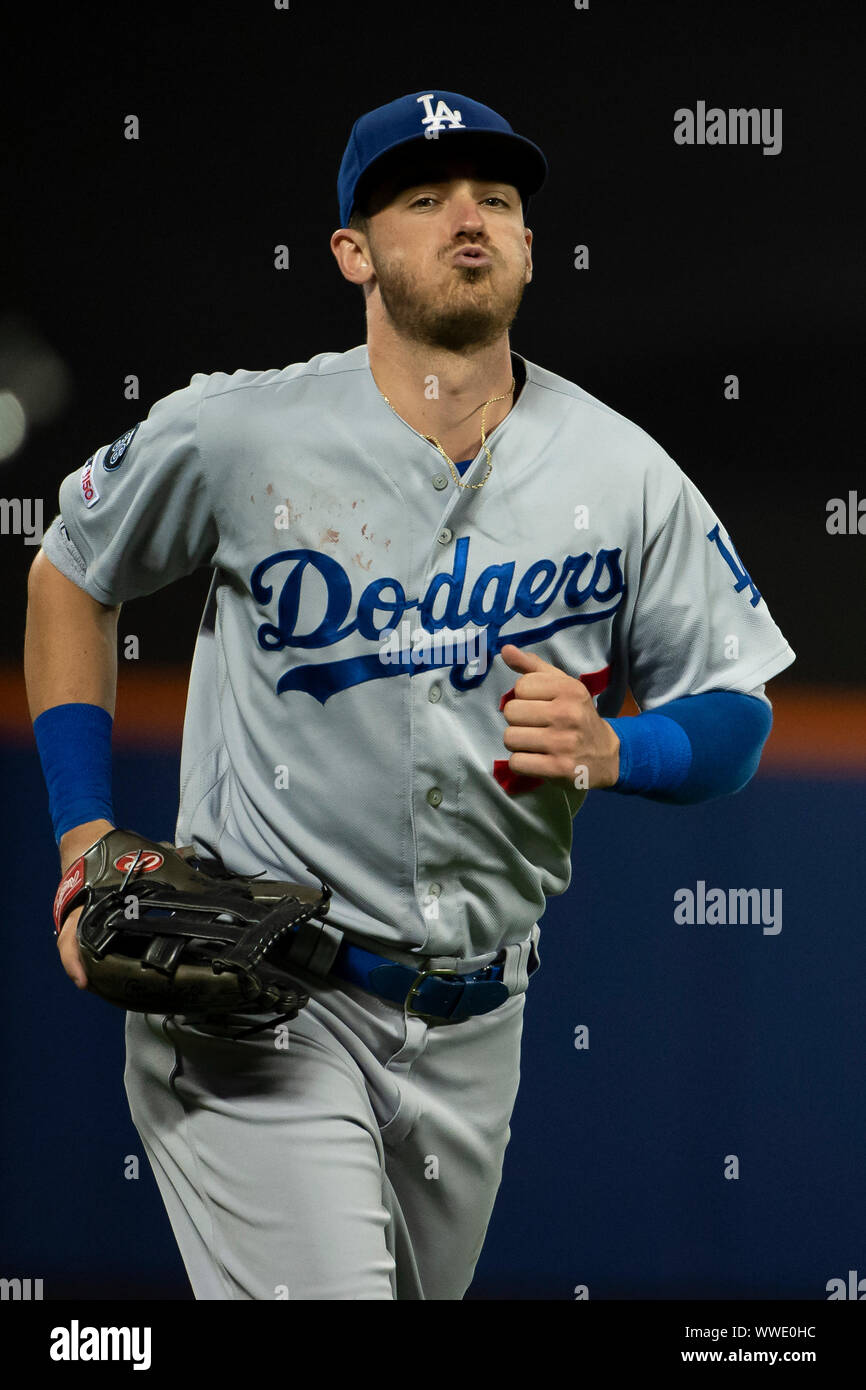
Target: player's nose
(466,216)
(468,232)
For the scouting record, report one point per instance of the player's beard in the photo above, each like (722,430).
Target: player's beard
(470,313)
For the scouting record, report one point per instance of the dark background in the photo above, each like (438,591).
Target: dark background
(155,257)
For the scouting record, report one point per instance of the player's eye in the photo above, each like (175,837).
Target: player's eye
(428,198)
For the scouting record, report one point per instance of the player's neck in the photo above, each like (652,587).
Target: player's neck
(442,393)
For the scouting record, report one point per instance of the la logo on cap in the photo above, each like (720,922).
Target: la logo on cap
(434,121)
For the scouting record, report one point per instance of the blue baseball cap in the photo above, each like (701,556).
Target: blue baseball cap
(413,126)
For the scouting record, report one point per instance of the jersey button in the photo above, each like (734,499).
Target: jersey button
(439,481)
(434,694)
(434,796)
(444,535)
(434,890)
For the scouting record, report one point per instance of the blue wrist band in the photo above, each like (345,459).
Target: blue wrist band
(694,748)
(74,744)
(654,753)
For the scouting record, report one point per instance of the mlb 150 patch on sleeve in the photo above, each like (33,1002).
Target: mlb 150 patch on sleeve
(89,490)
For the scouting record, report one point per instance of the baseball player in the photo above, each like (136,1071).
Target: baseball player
(437,568)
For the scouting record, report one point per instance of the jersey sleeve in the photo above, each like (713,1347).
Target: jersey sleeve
(140,512)
(699,621)
(62,553)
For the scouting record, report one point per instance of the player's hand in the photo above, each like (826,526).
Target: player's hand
(72,844)
(553,725)
(67,944)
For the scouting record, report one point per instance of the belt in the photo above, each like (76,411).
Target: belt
(437,994)
(443,996)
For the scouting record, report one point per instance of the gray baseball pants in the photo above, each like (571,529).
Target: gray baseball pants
(352,1153)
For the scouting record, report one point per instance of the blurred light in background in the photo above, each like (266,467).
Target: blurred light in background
(13,424)
(35,383)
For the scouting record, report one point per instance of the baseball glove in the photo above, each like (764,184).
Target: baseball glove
(161,932)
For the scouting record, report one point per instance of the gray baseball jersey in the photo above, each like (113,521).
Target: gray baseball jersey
(344,699)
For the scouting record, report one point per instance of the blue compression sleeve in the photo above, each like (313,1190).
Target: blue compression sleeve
(694,748)
(74,743)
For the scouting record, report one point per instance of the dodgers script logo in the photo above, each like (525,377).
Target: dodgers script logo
(594,584)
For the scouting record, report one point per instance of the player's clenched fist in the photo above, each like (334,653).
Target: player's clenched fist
(553,725)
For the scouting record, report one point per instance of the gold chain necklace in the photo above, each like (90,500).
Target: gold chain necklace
(450,463)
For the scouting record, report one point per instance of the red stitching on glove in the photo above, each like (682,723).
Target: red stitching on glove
(71,883)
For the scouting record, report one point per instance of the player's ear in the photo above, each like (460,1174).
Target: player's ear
(527,235)
(352,255)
